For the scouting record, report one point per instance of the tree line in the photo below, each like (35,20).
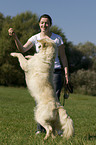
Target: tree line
(81,57)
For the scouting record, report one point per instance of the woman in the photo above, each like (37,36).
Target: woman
(45,23)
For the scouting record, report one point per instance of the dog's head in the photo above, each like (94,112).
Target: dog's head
(48,50)
(46,43)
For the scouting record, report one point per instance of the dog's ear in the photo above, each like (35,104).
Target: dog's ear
(41,41)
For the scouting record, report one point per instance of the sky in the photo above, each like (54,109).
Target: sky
(76,18)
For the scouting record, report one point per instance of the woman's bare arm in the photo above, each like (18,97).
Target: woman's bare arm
(20,47)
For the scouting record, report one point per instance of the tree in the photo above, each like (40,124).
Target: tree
(25,25)
(88,49)
(1,21)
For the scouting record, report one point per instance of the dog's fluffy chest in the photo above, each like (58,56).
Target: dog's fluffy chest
(41,63)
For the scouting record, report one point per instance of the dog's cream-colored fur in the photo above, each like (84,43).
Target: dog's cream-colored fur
(39,74)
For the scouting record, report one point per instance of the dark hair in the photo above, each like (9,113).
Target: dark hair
(46,16)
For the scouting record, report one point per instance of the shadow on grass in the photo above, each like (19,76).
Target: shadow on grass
(90,137)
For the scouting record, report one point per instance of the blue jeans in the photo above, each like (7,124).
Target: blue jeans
(57,82)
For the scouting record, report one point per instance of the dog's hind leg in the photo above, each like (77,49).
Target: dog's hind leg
(48,131)
(47,127)
(22,60)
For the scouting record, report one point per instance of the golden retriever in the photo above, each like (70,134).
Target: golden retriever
(39,75)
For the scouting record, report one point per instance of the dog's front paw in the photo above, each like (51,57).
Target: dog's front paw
(13,54)
(28,56)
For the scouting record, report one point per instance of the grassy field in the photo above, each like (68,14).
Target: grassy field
(17,124)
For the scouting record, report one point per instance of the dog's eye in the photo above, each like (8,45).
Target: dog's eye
(39,46)
(45,45)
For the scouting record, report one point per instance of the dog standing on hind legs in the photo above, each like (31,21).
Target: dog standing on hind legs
(38,74)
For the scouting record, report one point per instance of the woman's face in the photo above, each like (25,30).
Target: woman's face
(44,25)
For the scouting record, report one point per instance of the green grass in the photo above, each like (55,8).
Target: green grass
(17,124)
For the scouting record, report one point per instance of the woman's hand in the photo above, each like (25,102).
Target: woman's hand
(12,32)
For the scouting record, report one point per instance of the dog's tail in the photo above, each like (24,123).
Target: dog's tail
(66,123)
